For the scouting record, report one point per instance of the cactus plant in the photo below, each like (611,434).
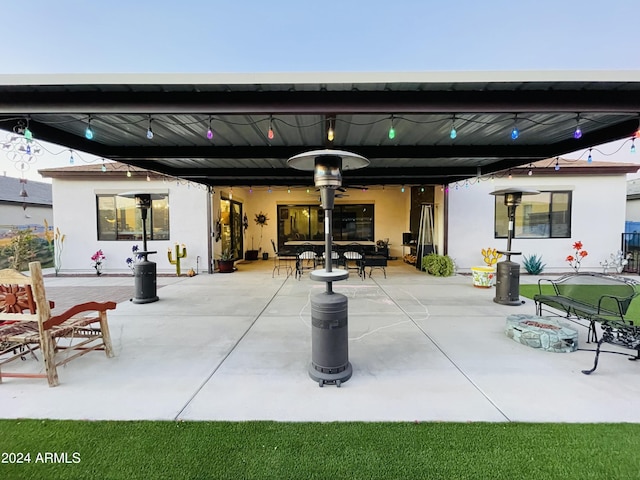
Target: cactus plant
(490,256)
(179,255)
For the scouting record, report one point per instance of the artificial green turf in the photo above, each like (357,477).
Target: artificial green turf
(271,450)
(633,313)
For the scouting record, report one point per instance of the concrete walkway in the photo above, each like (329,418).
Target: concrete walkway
(237,347)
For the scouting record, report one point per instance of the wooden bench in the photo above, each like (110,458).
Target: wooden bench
(621,334)
(27,324)
(591,296)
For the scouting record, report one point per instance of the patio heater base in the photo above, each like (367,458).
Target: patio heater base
(329,339)
(508,283)
(145,282)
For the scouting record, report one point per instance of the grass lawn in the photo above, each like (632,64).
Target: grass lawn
(273,450)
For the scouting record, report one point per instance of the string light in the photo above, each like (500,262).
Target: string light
(330,132)
(270,134)
(578,132)
(71,160)
(103,167)
(530,172)
(589,158)
(402,189)
(149,131)
(392,131)
(250,189)
(453,134)
(269,190)
(29,136)
(148,178)
(209,132)
(288,189)
(88,133)
(128,173)
(510,176)
(515,133)
(633,145)
(557,166)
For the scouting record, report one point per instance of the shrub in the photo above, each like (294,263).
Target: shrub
(438,265)
(533,264)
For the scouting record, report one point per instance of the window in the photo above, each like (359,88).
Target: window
(120,219)
(547,215)
(306,222)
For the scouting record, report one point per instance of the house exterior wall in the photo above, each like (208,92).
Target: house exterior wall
(391,212)
(14,214)
(597,219)
(75,215)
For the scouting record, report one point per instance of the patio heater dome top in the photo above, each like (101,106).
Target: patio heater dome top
(153,196)
(307,160)
(522,191)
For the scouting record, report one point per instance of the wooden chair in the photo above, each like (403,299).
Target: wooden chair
(29,325)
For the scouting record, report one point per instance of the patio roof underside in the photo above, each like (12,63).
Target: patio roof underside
(240,152)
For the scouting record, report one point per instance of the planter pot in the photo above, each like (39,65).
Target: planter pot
(265,256)
(225,266)
(483,277)
(251,255)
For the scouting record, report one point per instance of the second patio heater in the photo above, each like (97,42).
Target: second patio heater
(329,319)
(508,272)
(144,271)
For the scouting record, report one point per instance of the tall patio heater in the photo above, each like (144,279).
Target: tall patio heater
(144,271)
(329,319)
(508,272)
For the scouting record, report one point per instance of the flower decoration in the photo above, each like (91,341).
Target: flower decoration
(580,253)
(245,222)
(490,256)
(261,219)
(97,259)
(131,261)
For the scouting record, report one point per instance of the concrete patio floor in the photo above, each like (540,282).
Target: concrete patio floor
(237,347)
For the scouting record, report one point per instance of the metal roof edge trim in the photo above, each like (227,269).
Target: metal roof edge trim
(474,76)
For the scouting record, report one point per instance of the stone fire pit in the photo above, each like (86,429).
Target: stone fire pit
(542,332)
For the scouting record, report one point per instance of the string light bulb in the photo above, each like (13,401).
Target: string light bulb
(453,133)
(330,132)
(28,135)
(128,173)
(577,134)
(209,132)
(402,189)
(589,158)
(71,160)
(88,133)
(149,131)
(530,172)
(557,166)
(230,193)
(270,134)
(103,167)
(633,145)
(148,178)
(392,131)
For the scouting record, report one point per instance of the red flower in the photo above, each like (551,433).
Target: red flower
(583,253)
(577,245)
(570,258)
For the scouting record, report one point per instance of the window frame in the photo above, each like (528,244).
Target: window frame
(499,201)
(119,235)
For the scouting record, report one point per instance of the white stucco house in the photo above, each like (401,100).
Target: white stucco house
(579,201)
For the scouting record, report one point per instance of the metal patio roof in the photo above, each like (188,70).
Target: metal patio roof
(484,107)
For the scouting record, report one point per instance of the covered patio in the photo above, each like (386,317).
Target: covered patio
(237,347)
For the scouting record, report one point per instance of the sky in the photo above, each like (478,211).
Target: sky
(250,36)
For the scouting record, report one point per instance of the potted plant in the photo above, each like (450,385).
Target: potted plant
(226,261)
(483,277)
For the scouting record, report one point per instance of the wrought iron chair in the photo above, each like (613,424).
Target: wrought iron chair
(282,259)
(305,255)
